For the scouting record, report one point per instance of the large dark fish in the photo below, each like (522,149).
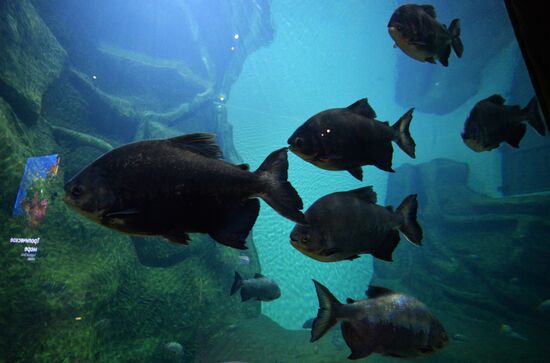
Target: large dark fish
(260,288)
(491,122)
(387,322)
(347,138)
(416,32)
(343,225)
(177,186)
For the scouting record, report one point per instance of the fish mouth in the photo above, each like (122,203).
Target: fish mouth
(473,144)
(300,154)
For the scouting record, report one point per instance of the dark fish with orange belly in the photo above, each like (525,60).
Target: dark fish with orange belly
(387,322)
(176,186)
(416,32)
(343,225)
(491,122)
(348,138)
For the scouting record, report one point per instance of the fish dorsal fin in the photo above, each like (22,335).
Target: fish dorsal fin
(497,99)
(430,10)
(349,300)
(377,291)
(201,143)
(365,193)
(259,276)
(362,107)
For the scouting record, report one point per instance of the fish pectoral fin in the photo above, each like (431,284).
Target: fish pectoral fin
(357,172)
(361,346)
(515,135)
(177,238)
(330,251)
(351,258)
(430,60)
(258,275)
(238,224)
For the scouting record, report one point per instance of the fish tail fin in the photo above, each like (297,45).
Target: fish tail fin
(454,29)
(410,227)
(326,316)
(237,283)
(534,117)
(403,136)
(280,194)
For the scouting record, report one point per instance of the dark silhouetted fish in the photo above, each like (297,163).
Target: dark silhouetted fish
(387,323)
(416,32)
(347,138)
(491,122)
(260,288)
(342,225)
(176,186)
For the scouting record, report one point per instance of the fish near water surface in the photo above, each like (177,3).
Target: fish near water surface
(343,225)
(259,287)
(418,34)
(348,138)
(387,322)
(491,122)
(172,187)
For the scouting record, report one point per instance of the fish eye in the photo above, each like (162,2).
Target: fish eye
(77,190)
(299,142)
(305,238)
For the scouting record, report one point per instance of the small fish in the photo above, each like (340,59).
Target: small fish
(507,330)
(418,34)
(491,122)
(172,187)
(260,288)
(343,225)
(244,260)
(308,324)
(348,138)
(387,322)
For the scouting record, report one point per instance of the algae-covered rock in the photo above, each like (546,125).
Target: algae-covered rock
(92,294)
(30,58)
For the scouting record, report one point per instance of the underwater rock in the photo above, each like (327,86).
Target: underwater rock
(30,58)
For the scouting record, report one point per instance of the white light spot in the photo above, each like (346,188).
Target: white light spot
(232,48)
(236,36)
(222,98)
(94,77)
(328,131)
